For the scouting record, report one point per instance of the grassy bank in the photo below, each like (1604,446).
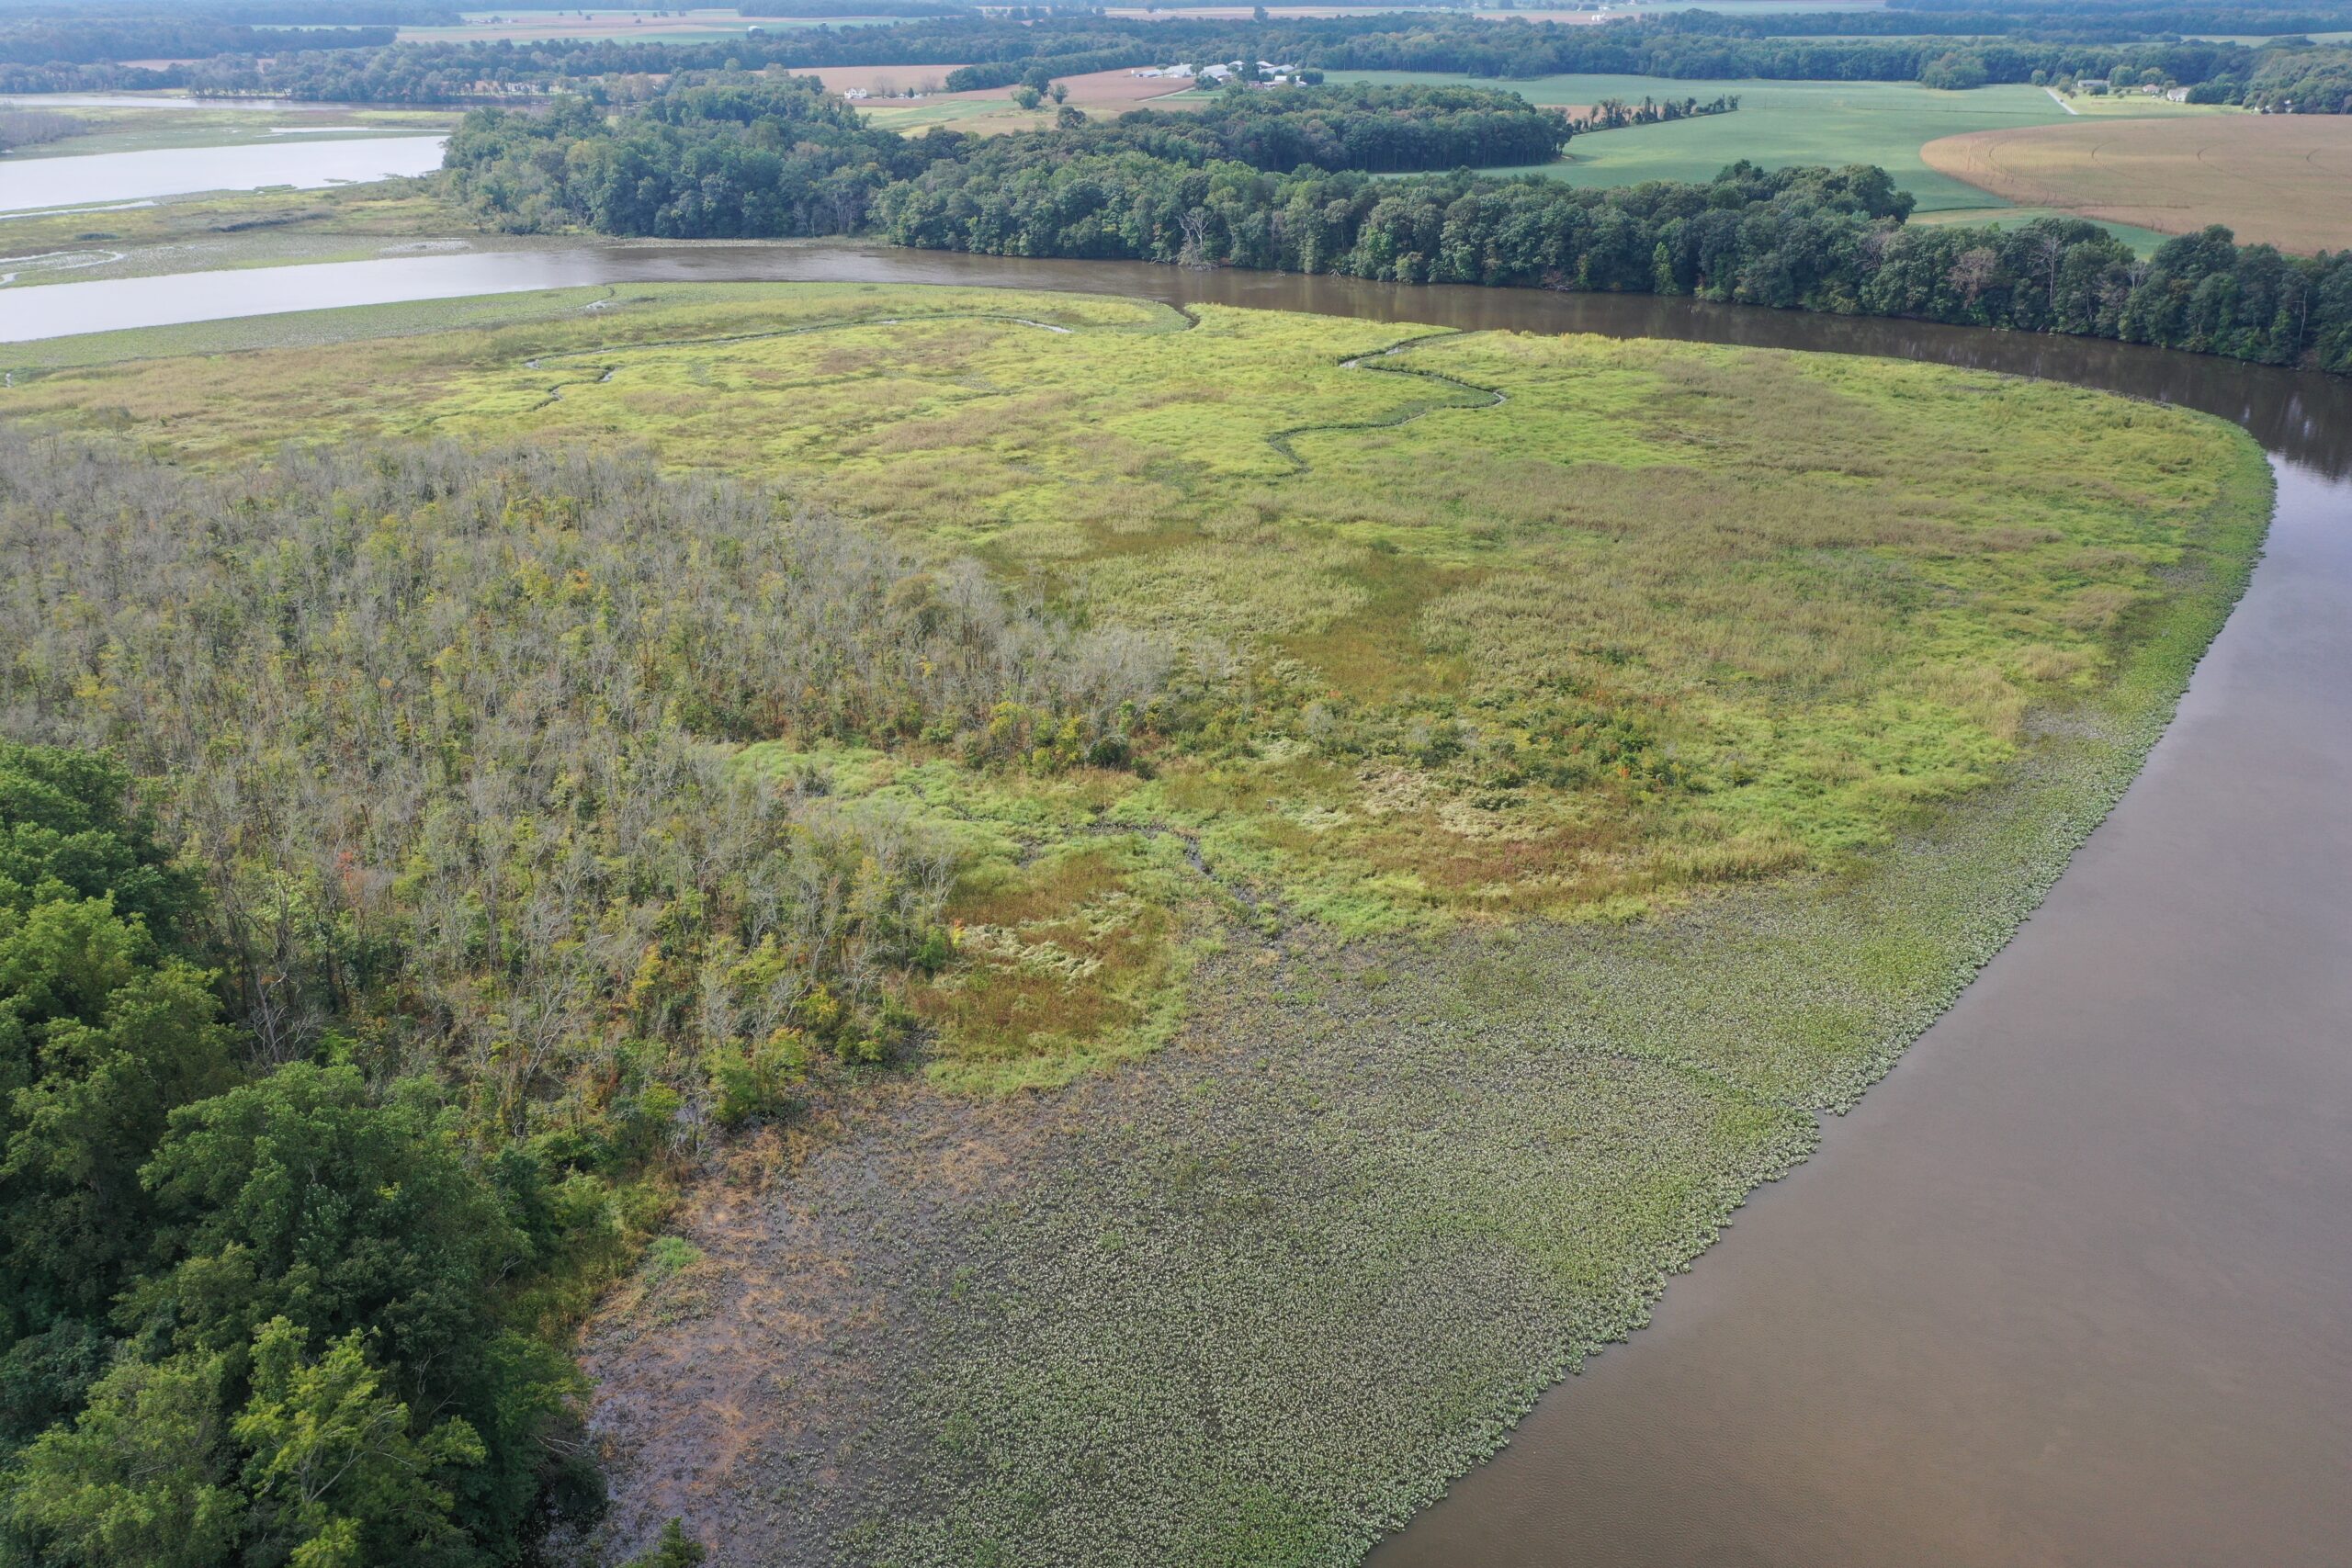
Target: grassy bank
(1578,763)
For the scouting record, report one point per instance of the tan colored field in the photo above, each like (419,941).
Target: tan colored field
(2285,179)
(893,79)
(1102,94)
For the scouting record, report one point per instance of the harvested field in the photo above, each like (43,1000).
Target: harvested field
(1104,93)
(2282,179)
(885,79)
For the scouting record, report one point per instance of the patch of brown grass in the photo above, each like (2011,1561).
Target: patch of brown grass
(2280,179)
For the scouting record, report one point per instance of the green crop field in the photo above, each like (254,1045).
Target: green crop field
(1781,123)
(1574,765)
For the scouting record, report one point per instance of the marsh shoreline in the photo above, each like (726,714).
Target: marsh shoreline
(2066,1289)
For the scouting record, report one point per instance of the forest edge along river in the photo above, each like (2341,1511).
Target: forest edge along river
(2072,1285)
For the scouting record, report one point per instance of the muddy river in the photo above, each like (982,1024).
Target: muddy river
(2073,1286)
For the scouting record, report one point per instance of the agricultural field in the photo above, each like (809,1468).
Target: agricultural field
(1569,767)
(2281,179)
(1779,123)
(1102,94)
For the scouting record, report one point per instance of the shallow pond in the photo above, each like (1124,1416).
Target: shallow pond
(2075,1284)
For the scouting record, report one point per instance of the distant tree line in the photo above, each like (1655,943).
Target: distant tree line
(1958,44)
(743,157)
(1371,128)
(76,40)
(2149,18)
(246,13)
(1661,47)
(999,50)
(2065,21)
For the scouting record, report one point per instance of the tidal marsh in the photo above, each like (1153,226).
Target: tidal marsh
(1591,765)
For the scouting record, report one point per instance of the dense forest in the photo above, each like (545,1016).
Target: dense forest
(769,156)
(331,1057)
(752,157)
(2312,81)
(1377,129)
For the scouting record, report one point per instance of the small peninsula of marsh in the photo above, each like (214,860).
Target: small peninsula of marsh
(1326,858)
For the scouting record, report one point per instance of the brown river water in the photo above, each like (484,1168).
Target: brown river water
(2073,1285)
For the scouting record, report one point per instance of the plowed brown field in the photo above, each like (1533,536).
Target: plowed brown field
(2285,179)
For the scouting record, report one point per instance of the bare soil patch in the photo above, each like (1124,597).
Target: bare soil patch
(2283,179)
(878,79)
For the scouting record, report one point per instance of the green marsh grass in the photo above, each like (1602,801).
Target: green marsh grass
(1520,627)
(1622,774)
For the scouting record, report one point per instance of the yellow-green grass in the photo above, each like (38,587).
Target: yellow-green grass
(1782,123)
(1516,626)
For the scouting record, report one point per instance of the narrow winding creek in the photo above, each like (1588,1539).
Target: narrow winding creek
(2073,1285)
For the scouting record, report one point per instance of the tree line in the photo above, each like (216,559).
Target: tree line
(1371,128)
(1660,47)
(1810,239)
(2063,21)
(76,40)
(740,157)
(1616,114)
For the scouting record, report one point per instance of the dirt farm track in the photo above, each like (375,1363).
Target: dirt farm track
(2285,179)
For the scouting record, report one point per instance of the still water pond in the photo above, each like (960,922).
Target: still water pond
(2073,1286)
